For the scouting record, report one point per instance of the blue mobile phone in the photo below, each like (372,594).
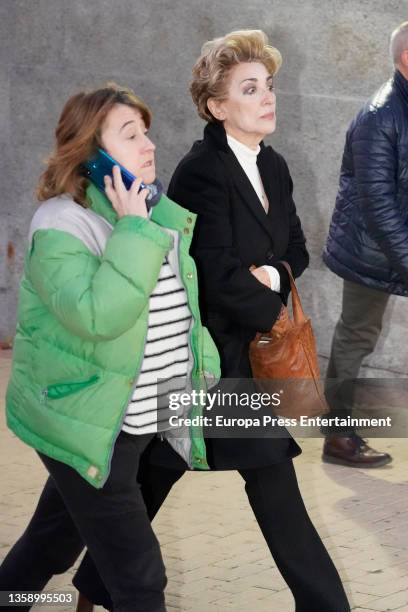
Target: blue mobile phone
(102,164)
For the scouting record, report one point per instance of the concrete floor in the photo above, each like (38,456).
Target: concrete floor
(218,560)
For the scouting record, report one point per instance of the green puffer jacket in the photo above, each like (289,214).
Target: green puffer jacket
(82,325)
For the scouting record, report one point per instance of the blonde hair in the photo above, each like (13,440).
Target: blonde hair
(78,137)
(399,42)
(219,56)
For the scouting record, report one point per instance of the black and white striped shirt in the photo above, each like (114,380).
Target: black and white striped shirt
(166,356)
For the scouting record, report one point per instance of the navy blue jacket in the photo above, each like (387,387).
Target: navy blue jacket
(368,235)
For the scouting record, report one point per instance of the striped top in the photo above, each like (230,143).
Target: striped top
(166,356)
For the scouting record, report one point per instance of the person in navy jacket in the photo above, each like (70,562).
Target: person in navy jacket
(367,244)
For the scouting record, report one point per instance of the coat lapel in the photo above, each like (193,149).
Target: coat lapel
(270,176)
(245,189)
(268,170)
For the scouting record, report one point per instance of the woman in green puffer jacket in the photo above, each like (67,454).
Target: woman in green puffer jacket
(108,306)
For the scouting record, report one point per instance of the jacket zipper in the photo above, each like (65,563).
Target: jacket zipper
(193,321)
(196,366)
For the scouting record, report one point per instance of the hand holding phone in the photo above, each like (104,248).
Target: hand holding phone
(126,201)
(102,165)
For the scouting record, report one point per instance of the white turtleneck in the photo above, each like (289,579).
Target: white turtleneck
(247,159)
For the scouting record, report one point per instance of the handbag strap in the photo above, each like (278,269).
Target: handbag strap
(298,313)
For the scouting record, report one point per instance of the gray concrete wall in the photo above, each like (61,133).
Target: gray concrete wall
(335,55)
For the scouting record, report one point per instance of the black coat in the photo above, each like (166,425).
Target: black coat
(232,233)
(368,236)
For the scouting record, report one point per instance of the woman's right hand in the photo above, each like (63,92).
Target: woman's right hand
(261,275)
(126,202)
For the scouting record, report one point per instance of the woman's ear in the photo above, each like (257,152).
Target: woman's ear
(215,108)
(404,59)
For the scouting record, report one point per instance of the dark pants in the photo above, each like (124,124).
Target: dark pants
(275,499)
(112,522)
(355,337)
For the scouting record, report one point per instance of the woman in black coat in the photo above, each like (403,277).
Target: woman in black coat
(234,233)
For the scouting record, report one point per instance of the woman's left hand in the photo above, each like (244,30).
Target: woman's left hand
(261,275)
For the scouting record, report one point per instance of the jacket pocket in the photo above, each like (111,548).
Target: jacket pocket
(60,390)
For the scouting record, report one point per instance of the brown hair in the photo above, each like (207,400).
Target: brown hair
(219,56)
(78,136)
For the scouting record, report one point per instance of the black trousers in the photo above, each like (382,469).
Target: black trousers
(112,522)
(51,543)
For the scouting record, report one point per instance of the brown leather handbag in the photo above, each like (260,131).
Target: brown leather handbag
(284,360)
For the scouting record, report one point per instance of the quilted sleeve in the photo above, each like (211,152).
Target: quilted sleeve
(375,159)
(98,298)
